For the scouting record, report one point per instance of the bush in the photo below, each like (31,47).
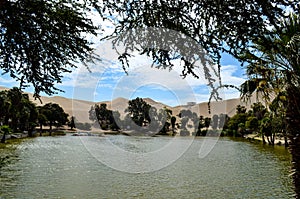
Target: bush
(5,129)
(184,132)
(203,132)
(84,126)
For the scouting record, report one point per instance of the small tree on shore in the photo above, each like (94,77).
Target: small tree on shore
(55,115)
(72,123)
(138,110)
(5,130)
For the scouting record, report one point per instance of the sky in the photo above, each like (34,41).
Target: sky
(106,80)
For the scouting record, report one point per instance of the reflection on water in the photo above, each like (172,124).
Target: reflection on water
(61,167)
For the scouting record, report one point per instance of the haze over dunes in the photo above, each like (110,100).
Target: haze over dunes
(80,108)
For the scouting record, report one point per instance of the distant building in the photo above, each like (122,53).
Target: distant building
(191,103)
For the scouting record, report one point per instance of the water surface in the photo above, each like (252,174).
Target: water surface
(62,167)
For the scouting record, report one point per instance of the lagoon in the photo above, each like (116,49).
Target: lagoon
(75,167)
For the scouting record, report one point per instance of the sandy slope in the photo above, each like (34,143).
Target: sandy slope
(80,109)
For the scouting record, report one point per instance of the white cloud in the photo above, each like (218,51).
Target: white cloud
(8,80)
(109,75)
(104,86)
(228,77)
(140,74)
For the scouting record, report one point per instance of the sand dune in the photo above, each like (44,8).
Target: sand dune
(80,108)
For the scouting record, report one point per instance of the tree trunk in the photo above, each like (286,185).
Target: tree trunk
(269,142)
(285,136)
(263,138)
(6,119)
(3,138)
(30,133)
(41,129)
(31,130)
(50,130)
(293,132)
(273,138)
(286,144)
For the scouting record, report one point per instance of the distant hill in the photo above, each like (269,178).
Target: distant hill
(80,108)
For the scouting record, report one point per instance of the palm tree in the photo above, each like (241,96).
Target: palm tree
(274,68)
(278,111)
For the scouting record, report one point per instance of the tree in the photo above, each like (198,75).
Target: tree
(223,121)
(258,110)
(115,120)
(5,105)
(15,96)
(218,26)
(28,117)
(83,126)
(278,111)
(139,111)
(241,128)
(42,119)
(236,124)
(150,27)
(173,122)
(274,66)
(17,111)
(207,121)
(215,122)
(266,129)
(127,122)
(195,120)
(102,115)
(240,109)
(252,124)
(40,40)
(161,120)
(107,119)
(92,114)
(55,115)
(157,119)
(277,128)
(72,123)
(6,130)
(185,117)
(165,114)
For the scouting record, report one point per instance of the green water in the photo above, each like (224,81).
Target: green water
(67,167)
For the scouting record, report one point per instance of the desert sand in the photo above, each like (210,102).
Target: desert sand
(80,108)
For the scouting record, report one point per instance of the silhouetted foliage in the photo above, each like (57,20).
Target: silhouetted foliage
(41,40)
(55,115)
(139,111)
(72,123)
(17,111)
(83,126)
(107,119)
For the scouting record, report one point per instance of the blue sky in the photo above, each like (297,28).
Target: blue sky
(108,81)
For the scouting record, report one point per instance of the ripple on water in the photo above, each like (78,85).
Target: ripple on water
(61,167)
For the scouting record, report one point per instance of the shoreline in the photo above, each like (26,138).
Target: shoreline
(254,137)
(279,141)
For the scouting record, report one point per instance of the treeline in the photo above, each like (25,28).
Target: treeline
(19,114)
(141,114)
(258,120)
